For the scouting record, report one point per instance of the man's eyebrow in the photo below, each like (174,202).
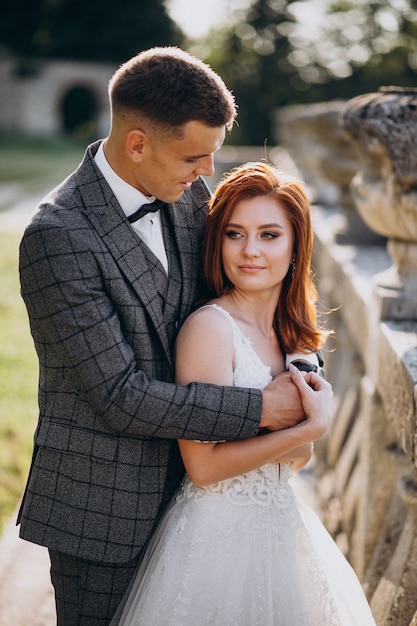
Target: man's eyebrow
(198,156)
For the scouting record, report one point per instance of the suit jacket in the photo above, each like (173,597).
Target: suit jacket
(105,458)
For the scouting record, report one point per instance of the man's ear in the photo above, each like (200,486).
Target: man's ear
(135,144)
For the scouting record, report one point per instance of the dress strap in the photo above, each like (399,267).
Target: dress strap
(226,314)
(248,369)
(239,339)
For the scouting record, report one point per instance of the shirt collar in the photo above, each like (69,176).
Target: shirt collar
(129,198)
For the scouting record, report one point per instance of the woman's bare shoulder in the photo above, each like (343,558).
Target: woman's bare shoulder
(204,350)
(207,320)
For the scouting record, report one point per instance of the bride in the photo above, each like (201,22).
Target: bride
(236,545)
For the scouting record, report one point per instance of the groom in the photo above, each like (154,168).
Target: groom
(106,288)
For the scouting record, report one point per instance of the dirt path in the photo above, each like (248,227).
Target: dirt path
(16,218)
(26,593)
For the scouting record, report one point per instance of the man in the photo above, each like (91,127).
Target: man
(106,290)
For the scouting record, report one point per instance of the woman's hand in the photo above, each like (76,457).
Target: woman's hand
(317,399)
(281,404)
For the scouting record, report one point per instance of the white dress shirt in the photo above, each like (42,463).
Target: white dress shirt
(148,227)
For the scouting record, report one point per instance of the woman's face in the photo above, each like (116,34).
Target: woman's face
(257,245)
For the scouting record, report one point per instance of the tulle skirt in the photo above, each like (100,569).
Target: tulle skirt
(215,561)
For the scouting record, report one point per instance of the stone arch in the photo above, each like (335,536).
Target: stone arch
(40,104)
(79,111)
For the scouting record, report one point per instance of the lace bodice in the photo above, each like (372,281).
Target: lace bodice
(269,482)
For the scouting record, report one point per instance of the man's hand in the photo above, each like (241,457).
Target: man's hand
(281,405)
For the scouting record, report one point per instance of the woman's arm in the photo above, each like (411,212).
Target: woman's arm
(208,463)
(298,457)
(205,354)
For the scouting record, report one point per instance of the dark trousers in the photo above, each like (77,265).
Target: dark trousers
(87,593)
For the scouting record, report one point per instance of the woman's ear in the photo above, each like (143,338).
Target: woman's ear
(135,144)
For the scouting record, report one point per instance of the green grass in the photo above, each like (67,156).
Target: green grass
(33,166)
(27,167)
(18,381)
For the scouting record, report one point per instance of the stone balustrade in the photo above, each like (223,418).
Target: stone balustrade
(359,160)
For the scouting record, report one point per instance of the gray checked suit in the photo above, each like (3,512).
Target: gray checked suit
(103,320)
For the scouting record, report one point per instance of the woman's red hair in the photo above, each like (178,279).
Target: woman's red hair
(296,314)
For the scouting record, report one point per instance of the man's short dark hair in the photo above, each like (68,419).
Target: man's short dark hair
(170,87)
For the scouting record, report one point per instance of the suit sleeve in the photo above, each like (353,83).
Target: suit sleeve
(89,370)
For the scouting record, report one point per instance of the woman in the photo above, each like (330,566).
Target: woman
(236,546)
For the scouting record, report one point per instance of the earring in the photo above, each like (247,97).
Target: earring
(292,267)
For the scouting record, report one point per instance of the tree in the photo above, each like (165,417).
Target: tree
(282,52)
(93,30)
(252,58)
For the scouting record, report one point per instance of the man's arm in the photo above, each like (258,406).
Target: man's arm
(100,347)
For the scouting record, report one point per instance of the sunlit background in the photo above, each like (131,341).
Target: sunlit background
(197,17)
(270,53)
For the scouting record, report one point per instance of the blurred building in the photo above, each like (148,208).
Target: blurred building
(46,98)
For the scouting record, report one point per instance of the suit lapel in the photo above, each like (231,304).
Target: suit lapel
(107,218)
(186,238)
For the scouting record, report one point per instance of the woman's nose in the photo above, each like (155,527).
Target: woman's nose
(251,247)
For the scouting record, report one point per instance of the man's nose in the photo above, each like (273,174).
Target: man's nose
(206,166)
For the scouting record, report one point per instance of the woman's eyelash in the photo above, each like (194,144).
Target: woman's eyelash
(232,234)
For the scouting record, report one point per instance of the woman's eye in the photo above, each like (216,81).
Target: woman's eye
(269,235)
(233,234)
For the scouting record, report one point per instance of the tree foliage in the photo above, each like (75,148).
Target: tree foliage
(282,52)
(92,30)
(272,53)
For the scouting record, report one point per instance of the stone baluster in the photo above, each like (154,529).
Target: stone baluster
(364,211)
(326,160)
(383,127)
(393,601)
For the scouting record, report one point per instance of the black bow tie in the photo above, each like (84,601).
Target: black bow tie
(151,207)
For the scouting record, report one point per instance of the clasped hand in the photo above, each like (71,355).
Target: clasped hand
(294,397)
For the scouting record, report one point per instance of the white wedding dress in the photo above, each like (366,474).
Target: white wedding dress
(245,551)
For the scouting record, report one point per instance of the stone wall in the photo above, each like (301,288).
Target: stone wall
(359,160)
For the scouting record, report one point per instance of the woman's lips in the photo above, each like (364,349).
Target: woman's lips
(251,268)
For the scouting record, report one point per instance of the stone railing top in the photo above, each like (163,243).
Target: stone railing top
(383,128)
(390,116)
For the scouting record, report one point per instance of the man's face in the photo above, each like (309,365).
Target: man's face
(168,168)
